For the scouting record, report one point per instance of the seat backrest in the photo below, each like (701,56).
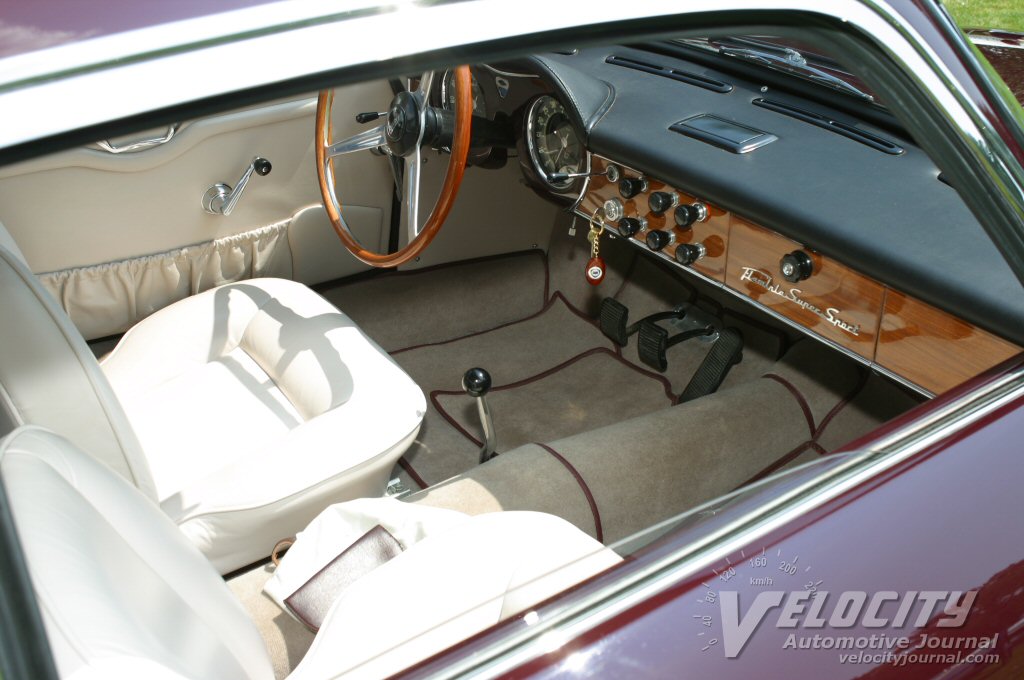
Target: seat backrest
(49,376)
(121,591)
(7,243)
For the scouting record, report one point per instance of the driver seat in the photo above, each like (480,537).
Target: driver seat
(242,411)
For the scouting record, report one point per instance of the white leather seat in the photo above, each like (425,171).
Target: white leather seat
(123,594)
(242,411)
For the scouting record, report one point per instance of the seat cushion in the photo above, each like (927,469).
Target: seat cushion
(452,585)
(257,404)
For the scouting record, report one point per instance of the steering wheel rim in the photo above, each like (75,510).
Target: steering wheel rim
(380,136)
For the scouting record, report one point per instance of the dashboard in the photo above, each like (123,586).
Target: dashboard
(822,213)
(895,333)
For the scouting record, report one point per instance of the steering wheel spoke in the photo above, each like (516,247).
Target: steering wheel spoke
(411,194)
(363,141)
(426,80)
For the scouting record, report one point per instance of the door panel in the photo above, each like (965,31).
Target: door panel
(86,206)
(115,237)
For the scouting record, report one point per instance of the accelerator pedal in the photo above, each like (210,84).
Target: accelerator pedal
(725,353)
(614,318)
(654,343)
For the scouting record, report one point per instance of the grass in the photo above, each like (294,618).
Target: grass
(1007,14)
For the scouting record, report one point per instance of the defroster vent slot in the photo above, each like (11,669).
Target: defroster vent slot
(674,74)
(848,131)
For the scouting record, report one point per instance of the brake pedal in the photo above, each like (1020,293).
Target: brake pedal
(724,354)
(614,316)
(654,343)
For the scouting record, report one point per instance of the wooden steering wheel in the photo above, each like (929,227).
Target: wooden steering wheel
(410,123)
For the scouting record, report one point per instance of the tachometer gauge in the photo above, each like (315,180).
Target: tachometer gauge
(552,141)
(448,94)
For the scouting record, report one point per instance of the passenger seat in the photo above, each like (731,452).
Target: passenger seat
(124,594)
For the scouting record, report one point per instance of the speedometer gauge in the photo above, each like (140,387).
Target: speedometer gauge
(552,141)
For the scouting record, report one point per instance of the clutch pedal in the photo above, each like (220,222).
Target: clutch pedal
(724,354)
(613,318)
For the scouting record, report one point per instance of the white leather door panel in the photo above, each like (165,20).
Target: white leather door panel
(86,206)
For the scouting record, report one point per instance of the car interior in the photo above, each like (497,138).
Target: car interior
(666,273)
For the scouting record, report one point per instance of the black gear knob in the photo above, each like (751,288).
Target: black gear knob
(476,382)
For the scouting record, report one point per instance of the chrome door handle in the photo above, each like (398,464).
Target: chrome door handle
(142,144)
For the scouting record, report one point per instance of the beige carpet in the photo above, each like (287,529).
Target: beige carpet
(645,469)
(401,309)
(287,640)
(589,391)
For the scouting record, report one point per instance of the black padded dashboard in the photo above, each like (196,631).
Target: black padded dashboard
(885,214)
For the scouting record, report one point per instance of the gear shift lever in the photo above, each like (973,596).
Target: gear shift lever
(477,383)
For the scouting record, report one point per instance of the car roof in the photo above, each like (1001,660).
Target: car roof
(40,24)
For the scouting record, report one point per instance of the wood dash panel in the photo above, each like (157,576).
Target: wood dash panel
(934,349)
(712,232)
(835,302)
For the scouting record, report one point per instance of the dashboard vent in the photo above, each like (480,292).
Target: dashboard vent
(848,131)
(674,74)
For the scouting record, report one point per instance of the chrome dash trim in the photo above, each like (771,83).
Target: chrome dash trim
(508,74)
(583,190)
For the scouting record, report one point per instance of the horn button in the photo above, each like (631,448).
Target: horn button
(402,129)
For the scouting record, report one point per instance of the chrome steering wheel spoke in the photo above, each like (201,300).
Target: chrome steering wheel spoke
(411,191)
(363,141)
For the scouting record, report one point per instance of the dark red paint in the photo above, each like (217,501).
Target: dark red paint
(28,25)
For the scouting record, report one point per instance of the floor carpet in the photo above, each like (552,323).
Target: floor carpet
(528,320)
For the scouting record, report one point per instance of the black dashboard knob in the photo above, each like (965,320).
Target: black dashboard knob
(796,266)
(629,226)
(631,186)
(657,239)
(688,253)
(660,201)
(686,215)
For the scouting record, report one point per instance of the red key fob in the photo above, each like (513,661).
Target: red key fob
(595,271)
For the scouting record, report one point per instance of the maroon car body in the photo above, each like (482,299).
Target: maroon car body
(1005,51)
